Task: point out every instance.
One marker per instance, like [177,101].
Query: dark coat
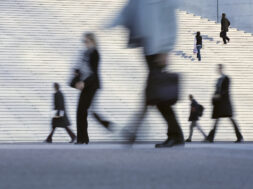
[225,23]
[194,116]
[93,62]
[222,107]
[59,106]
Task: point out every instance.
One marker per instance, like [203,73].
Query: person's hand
[80,85]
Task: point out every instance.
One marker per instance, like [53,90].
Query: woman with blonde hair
[88,86]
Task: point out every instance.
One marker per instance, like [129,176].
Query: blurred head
[198,33]
[56,87]
[90,40]
[223,15]
[220,69]
[190,97]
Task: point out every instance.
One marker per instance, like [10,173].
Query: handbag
[59,122]
[162,87]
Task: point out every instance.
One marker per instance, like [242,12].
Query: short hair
[91,36]
[198,33]
[223,14]
[220,66]
[190,96]
[57,86]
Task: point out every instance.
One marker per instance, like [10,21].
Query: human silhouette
[152,26]
[195,113]
[225,23]
[60,118]
[222,107]
[88,87]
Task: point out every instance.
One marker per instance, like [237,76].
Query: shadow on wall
[239,12]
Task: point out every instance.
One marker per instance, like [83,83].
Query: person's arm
[225,87]
[59,105]
[94,60]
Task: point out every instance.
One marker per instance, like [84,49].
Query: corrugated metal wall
[41,42]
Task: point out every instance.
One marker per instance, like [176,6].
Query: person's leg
[193,123]
[202,132]
[198,54]
[237,131]
[82,114]
[174,130]
[103,122]
[49,138]
[70,133]
[211,135]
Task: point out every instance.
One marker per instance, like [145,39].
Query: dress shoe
[239,140]
[188,140]
[73,140]
[170,143]
[49,141]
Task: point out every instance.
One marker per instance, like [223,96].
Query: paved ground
[111,166]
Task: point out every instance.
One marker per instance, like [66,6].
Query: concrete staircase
[41,42]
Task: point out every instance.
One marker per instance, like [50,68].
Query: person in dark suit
[222,105]
[60,119]
[198,45]
[225,23]
[194,117]
[88,86]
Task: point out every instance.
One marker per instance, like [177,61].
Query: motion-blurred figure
[225,23]
[60,118]
[88,86]
[152,25]
[195,113]
[222,106]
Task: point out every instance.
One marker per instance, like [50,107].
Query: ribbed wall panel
[41,42]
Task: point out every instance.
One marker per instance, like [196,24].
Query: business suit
[61,119]
[225,23]
[222,107]
[92,84]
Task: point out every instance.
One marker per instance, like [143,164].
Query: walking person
[88,87]
[60,118]
[225,23]
[198,39]
[152,26]
[222,107]
[195,113]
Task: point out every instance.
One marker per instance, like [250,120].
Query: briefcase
[162,87]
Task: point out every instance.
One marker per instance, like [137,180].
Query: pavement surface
[115,166]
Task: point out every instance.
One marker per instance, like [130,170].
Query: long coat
[60,106]
[194,116]
[152,24]
[225,23]
[222,107]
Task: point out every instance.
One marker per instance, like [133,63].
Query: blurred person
[88,87]
[198,39]
[222,107]
[195,112]
[225,23]
[152,26]
[60,118]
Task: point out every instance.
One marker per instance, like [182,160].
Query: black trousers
[225,37]
[174,129]
[84,103]
[86,97]
[211,135]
